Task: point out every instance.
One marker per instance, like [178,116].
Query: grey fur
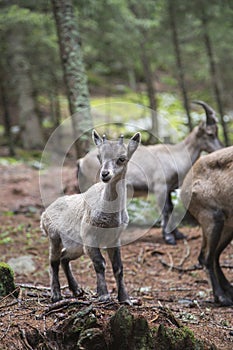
[84,223]
[161,168]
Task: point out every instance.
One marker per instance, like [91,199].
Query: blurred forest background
[121,55]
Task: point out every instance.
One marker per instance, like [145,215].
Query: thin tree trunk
[7,120]
[74,73]
[179,62]
[31,133]
[55,101]
[151,94]
[132,78]
[213,72]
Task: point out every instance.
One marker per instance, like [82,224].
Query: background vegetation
[157,54]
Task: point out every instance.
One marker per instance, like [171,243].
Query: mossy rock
[7,284]
[177,339]
[92,339]
[128,332]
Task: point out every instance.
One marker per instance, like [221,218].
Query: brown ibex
[161,168]
[92,220]
[207,192]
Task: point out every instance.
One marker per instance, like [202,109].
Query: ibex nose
[105,174]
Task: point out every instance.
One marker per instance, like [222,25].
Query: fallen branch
[180,269]
[24,338]
[32,286]
[171,265]
[64,304]
[186,255]
[8,327]
[169,315]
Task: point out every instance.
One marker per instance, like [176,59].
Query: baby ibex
[84,223]
[207,192]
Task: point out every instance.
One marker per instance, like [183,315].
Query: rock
[129,333]
[92,339]
[84,330]
[23,265]
[7,285]
[122,329]
[142,335]
[177,339]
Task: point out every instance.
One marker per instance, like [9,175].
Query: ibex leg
[54,259]
[212,230]
[99,266]
[117,267]
[170,233]
[73,285]
[226,237]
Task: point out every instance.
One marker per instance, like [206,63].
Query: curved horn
[121,139]
[210,113]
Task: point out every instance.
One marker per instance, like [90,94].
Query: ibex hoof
[179,235]
[126,302]
[224,300]
[56,297]
[169,238]
[104,298]
[78,292]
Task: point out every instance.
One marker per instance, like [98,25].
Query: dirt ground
[156,275]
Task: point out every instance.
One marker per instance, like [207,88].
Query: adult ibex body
[92,220]
[207,192]
[161,168]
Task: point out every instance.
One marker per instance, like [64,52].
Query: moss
[142,335]
[177,339]
[128,332]
[92,339]
[122,329]
[7,285]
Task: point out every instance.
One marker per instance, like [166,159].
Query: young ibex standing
[84,223]
[207,192]
[161,168]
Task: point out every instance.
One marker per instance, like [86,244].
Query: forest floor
[158,276]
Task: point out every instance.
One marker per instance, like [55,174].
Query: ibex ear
[96,138]
[133,144]
[201,129]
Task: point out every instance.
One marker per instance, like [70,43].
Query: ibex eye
[121,160]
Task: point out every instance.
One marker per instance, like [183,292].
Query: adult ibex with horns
[161,168]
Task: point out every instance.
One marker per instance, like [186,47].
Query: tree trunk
[74,73]
[31,133]
[179,62]
[55,102]
[7,120]
[154,132]
[213,71]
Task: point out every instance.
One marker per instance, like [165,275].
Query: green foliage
[143,211]
[4,238]
[113,35]
[130,109]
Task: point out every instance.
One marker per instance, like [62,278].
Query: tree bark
[179,63]
[31,133]
[213,71]
[7,120]
[151,92]
[74,73]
